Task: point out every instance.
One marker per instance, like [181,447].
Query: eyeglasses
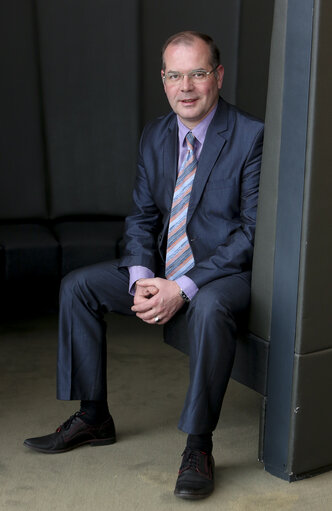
[196,76]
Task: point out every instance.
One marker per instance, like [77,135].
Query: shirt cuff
[187,285]
[138,272]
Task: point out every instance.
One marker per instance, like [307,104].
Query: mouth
[189,101]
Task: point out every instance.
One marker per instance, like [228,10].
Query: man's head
[192,75]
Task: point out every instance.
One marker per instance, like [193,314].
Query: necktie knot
[190,140]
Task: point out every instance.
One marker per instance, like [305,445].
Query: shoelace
[190,460]
[66,425]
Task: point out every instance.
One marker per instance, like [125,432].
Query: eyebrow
[191,71]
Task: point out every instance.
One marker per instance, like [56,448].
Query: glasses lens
[173,77]
[198,76]
[195,76]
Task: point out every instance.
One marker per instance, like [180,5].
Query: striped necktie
[179,257]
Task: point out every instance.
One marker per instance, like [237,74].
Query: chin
[191,115]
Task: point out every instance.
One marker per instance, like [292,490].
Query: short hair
[188,37]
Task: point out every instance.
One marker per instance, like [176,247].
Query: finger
[141,307]
[150,291]
[148,316]
[154,322]
[145,292]
[147,282]
[153,290]
[145,305]
[152,313]
[164,317]
[140,299]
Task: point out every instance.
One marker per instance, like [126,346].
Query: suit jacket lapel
[170,160]
[214,142]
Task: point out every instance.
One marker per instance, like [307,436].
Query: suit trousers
[212,316]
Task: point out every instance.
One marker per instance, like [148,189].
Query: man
[189,243]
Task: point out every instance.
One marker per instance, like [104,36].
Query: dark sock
[200,442]
[95,412]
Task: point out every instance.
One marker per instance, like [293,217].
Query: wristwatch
[184,296]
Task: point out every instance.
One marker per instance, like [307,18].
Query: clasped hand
[156,297]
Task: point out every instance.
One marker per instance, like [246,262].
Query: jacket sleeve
[235,254]
[144,223]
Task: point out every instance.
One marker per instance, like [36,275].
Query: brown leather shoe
[73,433]
[196,475]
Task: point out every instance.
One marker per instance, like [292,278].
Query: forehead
[183,56]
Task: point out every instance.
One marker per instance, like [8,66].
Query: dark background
[79,79]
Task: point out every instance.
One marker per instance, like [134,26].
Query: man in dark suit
[188,243]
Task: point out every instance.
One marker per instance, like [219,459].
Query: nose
[186,84]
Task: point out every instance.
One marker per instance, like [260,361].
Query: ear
[220,75]
[162,73]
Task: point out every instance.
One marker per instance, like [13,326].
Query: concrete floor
[147,383]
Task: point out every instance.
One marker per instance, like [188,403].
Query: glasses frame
[182,75]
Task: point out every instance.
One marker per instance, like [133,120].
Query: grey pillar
[298,418]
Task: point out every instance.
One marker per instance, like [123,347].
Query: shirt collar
[198,131]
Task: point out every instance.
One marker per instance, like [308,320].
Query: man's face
[192,101]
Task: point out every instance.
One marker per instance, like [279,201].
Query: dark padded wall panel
[161,19]
[89,80]
[315,319]
[84,243]
[22,186]
[254,54]
[30,251]
[263,264]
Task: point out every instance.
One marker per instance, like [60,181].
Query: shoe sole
[93,443]
[192,496]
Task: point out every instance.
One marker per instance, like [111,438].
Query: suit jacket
[222,209]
